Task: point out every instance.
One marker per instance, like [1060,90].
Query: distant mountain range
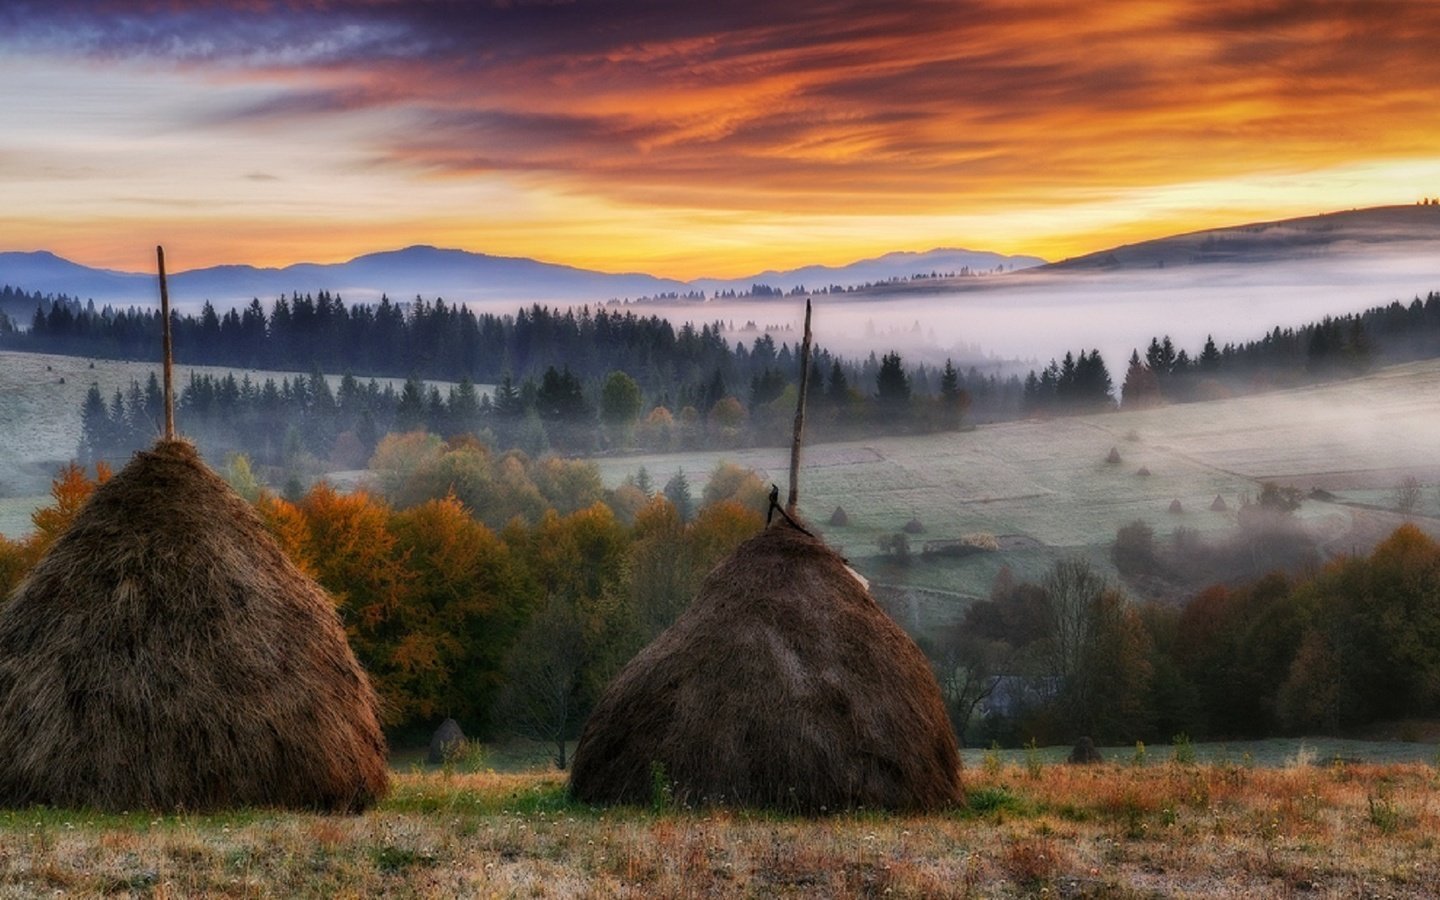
[456,275]
[462,276]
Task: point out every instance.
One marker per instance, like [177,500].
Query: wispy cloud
[835,107]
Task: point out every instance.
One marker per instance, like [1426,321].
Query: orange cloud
[839,111]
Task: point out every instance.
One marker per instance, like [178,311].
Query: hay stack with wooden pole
[783,685]
[164,654]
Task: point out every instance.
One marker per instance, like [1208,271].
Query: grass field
[1029,829]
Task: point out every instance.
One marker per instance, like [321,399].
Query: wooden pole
[168,363]
[799,416]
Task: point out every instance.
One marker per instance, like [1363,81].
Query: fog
[1033,316]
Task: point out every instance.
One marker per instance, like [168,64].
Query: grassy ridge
[1221,830]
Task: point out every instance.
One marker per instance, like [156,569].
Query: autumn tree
[1097,648]
[463,601]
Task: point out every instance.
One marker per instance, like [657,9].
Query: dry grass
[1095,831]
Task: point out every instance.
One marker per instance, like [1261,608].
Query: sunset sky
[705,139]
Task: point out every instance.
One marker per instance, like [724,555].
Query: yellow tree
[464,602]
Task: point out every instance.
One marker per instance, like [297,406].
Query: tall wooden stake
[799,416]
[168,363]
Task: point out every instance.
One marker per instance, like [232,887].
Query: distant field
[40,399]
[1046,488]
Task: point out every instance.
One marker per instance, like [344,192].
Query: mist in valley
[1020,320]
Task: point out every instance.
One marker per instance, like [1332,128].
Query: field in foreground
[1209,830]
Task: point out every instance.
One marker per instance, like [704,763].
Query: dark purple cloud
[904,103]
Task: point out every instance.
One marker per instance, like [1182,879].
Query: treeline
[1334,347]
[495,588]
[1079,384]
[1352,643]
[304,426]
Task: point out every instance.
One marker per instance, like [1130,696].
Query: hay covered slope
[782,685]
[165,654]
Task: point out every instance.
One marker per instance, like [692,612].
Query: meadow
[41,395]
[1045,489]
[1030,828]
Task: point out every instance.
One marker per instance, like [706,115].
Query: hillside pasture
[1045,488]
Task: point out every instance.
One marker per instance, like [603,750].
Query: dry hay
[445,742]
[1143,471]
[1084,753]
[1114,457]
[839,518]
[783,685]
[914,526]
[1176,507]
[164,654]
[1219,505]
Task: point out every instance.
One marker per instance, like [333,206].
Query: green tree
[94,427]
[892,385]
[620,406]
[954,400]
[677,491]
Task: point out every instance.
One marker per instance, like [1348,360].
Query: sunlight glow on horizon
[717,147]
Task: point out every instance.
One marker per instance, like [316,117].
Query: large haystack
[164,654]
[783,685]
[839,518]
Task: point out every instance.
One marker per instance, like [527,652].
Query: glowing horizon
[622,136]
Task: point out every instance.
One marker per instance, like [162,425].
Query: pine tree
[677,491]
[94,427]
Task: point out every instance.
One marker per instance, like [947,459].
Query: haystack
[914,526]
[839,518]
[1176,507]
[1085,753]
[1219,505]
[1143,471]
[165,654]
[1113,458]
[783,685]
[445,742]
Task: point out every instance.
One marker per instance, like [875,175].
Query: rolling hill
[1371,231]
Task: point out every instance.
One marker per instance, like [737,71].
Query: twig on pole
[168,362]
[799,416]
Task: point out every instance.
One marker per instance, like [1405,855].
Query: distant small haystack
[1143,471]
[164,654]
[914,526]
[783,685]
[1114,457]
[1175,506]
[1085,753]
[445,742]
[839,518]
[1219,505]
